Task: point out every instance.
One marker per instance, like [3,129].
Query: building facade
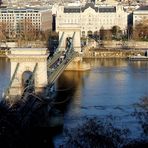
[92,18]
[16,19]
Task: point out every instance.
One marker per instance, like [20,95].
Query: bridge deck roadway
[59,67]
[53,59]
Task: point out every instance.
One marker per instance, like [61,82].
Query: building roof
[107,9]
[72,10]
[143,8]
[22,10]
[104,9]
[89,5]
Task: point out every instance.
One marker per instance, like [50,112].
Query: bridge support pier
[78,65]
[69,31]
[33,60]
[73,31]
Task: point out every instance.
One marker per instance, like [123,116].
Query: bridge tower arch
[27,59]
[69,31]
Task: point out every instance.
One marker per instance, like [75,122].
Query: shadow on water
[67,88]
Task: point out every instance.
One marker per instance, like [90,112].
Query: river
[4,75]
[110,88]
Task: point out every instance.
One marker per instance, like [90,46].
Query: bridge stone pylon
[26,59]
[66,31]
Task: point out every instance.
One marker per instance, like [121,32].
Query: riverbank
[111,53]
[101,53]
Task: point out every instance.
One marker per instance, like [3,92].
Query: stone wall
[112,53]
[78,65]
[119,44]
[130,44]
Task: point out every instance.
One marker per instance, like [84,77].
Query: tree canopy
[141,30]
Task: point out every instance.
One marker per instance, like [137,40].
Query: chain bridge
[44,69]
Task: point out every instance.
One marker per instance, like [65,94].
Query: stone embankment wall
[130,44]
[114,49]
[119,44]
[111,53]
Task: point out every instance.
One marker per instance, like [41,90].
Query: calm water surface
[111,87]
[4,74]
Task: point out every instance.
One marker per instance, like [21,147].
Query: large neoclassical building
[92,18]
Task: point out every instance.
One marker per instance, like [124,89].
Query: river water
[110,88]
[4,75]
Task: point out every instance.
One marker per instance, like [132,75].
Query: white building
[92,18]
[14,18]
[140,14]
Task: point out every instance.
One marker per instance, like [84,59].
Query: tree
[108,35]
[105,34]
[130,32]
[29,31]
[3,27]
[116,31]
[26,32]
[141,30]
[102,33]
[51,39]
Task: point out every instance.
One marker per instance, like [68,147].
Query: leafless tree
[3,26]
[141,30]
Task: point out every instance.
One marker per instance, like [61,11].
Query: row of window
[19,14]
[92,16]
[71,19]
[111,21]
[12,17]
[100,23]
[37,24]
[13,22]
[21,20]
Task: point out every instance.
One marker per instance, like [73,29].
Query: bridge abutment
[78,65]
